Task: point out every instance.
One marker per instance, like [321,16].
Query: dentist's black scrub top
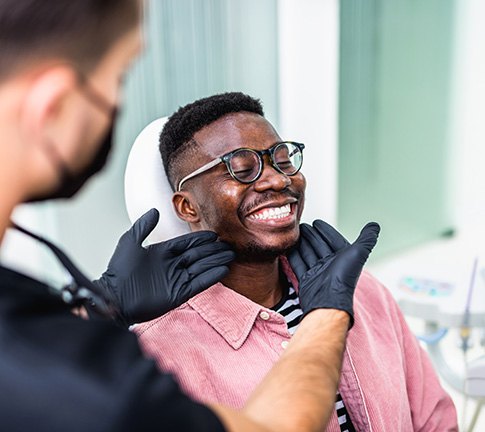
[59,372]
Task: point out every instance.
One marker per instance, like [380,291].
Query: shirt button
[284,344]
[264,315]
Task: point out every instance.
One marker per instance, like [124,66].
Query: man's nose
[271,178]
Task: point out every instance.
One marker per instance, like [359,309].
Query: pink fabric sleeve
[432,409]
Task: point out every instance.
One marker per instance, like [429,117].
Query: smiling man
[254,207]
[233,174]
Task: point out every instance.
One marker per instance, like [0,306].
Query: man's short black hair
[177,135]
[76,31]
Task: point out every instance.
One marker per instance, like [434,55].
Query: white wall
[308,56]
[468,114]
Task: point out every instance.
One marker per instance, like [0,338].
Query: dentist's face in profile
[79,142]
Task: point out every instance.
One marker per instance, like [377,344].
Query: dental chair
[147,186]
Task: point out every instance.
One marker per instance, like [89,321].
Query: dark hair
[177,135]
[79,31]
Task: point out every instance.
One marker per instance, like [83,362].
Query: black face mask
[70,183]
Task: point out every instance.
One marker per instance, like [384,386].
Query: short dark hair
[177,134]
[79,31]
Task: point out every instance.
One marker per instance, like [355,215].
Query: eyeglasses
[246,165]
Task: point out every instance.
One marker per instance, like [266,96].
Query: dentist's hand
[328,266]
[148,282]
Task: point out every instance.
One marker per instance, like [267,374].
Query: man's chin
[254,252]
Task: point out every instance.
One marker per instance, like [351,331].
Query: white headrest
[146,185]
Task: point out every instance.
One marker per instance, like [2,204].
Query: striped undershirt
[289,307]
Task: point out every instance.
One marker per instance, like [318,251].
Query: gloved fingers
[297,263]
[319,245]
[143,226]
[368,236]
[201,265]
[205,280]
[356,255]
[307,252]
[334,239]
[180,244]
[142,312]
[208,250]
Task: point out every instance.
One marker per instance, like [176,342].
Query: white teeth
[272,213]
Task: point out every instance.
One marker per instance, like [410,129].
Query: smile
[271,213]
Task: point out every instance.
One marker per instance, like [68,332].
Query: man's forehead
[236,130]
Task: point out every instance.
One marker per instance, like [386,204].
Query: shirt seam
[360,388]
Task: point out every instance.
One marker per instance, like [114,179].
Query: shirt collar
[231,314]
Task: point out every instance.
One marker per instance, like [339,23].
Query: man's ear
[185,207]
[46,96]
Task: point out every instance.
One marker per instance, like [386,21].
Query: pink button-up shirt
[220,345]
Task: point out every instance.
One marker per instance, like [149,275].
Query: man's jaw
[255,253]
[273,226]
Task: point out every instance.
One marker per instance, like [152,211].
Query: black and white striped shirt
[289,307]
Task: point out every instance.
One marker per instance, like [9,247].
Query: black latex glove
[148,282]
[328,266]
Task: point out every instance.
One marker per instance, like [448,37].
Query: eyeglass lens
[246,164]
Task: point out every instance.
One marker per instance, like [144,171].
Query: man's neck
[260,282]
[10,188]
[7,205]
[12,168]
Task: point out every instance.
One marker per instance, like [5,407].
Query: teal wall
[395,92]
